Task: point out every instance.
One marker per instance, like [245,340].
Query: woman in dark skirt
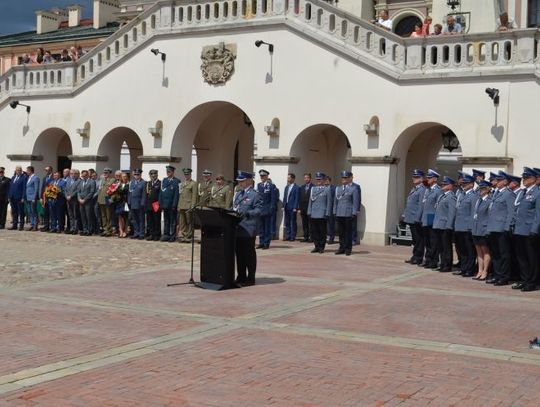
[121,205]
[480,216]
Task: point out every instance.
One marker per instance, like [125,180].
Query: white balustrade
[418,57]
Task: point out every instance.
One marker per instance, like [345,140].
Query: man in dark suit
[305,193]
[153,213]
[31,196]
[290,208]
[71,188]
[16,198]
[4,193]
[248,204]
[85,198]
[137,202]
[45,182]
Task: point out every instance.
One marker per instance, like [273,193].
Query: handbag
[155,206]
[126,207]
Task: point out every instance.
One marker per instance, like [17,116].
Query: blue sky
[19,15]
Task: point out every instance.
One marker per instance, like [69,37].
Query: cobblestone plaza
[90,321]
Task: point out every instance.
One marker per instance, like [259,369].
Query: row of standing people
[494,224]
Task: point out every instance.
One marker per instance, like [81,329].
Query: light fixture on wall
[157,52]
[494,95]
[453,4]
[258,43]
[85,131]
[16,103]
[156,131]
[370,129]
[450,140]
[272,130]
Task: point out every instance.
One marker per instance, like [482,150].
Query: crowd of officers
[494,224]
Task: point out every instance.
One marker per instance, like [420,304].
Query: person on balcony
[417,33]
[504,23]
[384,20]
[437,29]
[451,27]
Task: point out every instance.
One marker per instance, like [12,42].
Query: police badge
[218,62]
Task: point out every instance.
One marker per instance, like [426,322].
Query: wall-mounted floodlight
[258,43]
[16,103]
[157,52]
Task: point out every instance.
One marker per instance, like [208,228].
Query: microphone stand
[191,280]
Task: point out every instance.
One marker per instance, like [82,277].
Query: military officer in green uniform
[105,203]
[187,200]
[221,194]
[205,188]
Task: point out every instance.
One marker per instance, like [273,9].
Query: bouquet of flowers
[52,192]
[113,192]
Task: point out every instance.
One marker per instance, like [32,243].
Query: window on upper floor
[533,18]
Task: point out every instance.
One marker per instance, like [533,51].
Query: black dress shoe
[13,228]
[165,238]
[517,286]
[259,246]
[249,283]
[315,251]
[321,250]
[348,253]
[528,288]
[340,252]
[491,281]
[500,282]
[444,269]
[458,273]
[410,261]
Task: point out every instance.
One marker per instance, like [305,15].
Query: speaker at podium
[218,238]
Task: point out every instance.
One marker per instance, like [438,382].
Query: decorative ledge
[276,159]
[97,158]
[489,161]
[159,159]
[24,157]
[385,160]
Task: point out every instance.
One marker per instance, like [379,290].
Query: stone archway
[221,136]
[419,146]
[321,147]
[121,147]
[52,148]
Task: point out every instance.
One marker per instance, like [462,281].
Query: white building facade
[336,93]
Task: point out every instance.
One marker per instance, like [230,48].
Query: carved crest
[218,62]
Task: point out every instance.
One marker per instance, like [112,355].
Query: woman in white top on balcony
[384,21]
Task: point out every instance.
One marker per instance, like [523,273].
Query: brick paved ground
[90,322]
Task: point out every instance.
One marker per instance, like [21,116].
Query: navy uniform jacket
[501,211]
[354,185]
[320,202]
[17,187]
[464,210]
[86,189]
[137,194]
[275,197]
[32,191]
[346,201]
[170,192]
[527,212]
[268,197]
[248,203]
[333,196]
[430,199]
[290,200]
[413,207]
[4,188]
[445,211]
[480,216]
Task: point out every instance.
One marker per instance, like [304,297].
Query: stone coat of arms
[218,62]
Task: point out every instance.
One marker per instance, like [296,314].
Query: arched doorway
[122,148]
[405,26]
[219,136]
[420,146]
[54,145]
[321,147]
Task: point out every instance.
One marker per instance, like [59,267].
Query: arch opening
[54,145]
[122,148]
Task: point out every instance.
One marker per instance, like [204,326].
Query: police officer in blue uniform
[267,193]
[168,202]
[346,202]
[137,202]
[331,224]
[412,216]
[465,202]
[248,204]
[319,208]
[354,232]
[480,218]
[501,214]
[443,223]
[431,195]
[526,230]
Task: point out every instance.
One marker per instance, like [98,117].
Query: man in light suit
[85,198]
[501,215]
[346,202]
[290,207]
[526,230]
[4,192]
[443,223]
[31,197]
[354,236]
[16,195]
[72,187]
[431,194]
[465,202]
[45,182]
[248,204]
[136,201]
[319,207]
[412,216]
